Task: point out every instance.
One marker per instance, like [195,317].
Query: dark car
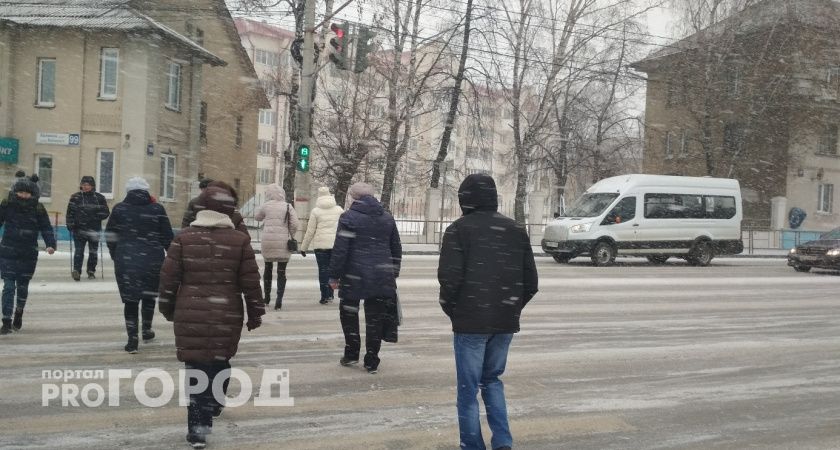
[823,253]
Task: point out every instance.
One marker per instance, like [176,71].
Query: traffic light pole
[303,180]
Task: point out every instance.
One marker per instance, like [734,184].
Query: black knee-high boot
[281,283]
[130,312]
[269,267]
[148,313]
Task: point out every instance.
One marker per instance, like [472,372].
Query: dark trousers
[375,315]
[281,280]
[146,307]
[204,404]
[82,239]
[323,259]
[14,284]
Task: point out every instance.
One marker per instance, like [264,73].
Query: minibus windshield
[591,205]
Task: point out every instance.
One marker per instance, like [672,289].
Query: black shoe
[148,336]
[218,411]
[324,301]
[348,362]
[197,440]
[371,370]
[91,275]
[76,275]
[277,305]
[17,323]
[131,346]
[267,297]
[7,326]
[503,448]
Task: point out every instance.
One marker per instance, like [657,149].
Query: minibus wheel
[562,259]
[603,254]
[800,268]
[701,254]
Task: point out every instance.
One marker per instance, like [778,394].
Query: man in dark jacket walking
[487,275]
[22,219]
[365,261]
[85,213]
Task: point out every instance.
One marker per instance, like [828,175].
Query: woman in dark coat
[138,233]
[22,219]
[365,262]
[208,269]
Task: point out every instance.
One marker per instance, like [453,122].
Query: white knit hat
[323,191]
[137,183]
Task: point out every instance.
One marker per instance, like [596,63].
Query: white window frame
[268,115]
[173,93]
[684,142]
[38,158]
[99,178]
[264,176]
[40,101]
[108,54]
[825,198]
[669,152]
[265,147]
[168,166]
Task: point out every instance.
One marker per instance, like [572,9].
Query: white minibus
[656,216]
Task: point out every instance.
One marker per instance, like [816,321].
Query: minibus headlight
[834,252]
[580,228]
[793,251]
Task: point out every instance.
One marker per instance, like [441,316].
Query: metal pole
[303,180]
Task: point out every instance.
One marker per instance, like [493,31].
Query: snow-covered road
[743,353]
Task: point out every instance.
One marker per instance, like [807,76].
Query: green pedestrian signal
[303,158]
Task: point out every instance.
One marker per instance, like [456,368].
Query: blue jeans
[479,362]
[323,259]
[10,285]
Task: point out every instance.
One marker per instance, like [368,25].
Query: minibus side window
[720,207]
[623,211]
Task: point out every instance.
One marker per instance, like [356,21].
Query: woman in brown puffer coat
[208,268]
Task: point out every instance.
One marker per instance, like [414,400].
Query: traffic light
[338,45]
[363,47]
[303,158]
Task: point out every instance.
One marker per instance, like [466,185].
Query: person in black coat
[85,213]
[22,219]
[487,274]
[365,262]
[138,234]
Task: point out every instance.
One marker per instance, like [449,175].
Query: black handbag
[292,244]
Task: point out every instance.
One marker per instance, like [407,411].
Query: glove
[303,254]
[254,323]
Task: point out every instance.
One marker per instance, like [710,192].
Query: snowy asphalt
[741,354]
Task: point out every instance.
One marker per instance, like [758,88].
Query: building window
[669,150]
[202,123]
[167,177]
[671,93]
[833,77]
[264,176]
[46,82]
[44,169]
[109,68]
[173,86]
[269,87]
[238,132]
[265,147]
[684,143]
[105,172]
[733,80]
[267,58]
[825,198]
[236,183]
[828,141]
[268,117]
[198,37]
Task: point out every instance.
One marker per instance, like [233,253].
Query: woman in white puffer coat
[320,236]
[281,224]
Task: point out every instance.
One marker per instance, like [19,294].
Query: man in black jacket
[85,213]
[192,206]
[487,275]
